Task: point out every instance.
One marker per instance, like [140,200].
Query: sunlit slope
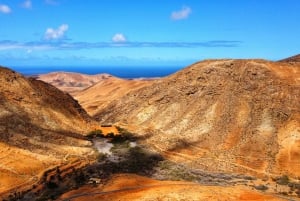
[40,127]
[72,82]
[132,187]
[107,90]
[220,115]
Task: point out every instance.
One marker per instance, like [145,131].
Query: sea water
[128,72]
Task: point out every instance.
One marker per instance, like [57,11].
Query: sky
[145,32]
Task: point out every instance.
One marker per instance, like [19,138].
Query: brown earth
[105,91]
[131,187]
[110,129]
[71,82]
[292,59]
[240,116]
[40,127]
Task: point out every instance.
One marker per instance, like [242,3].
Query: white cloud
[119,38]
[181,14]
[4,9]
[52,34]
[27,4]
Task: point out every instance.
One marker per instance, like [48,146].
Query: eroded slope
[72,82]
[40,126]
[105,91]
[220,115]
[132,187]
[292,59]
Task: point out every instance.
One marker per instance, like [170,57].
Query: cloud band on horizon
[61,45]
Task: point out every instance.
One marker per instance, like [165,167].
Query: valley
[148,100]
[115,176]
[223,128]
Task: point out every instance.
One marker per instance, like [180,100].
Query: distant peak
[295,58]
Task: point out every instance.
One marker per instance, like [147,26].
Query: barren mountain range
[72,82]
[238,117]
[94,92]
[220,115]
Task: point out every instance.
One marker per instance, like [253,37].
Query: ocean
[128,72]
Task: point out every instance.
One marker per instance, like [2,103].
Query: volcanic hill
[292,59]
[240,116]
[40,127]
[72,82]
[105,91]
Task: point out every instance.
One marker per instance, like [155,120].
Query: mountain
[295,58]
[40,127]
[105,91]
[240,116]
[71,82]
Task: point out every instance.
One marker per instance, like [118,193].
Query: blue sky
[145,32]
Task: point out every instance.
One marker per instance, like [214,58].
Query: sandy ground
[104,92]
[125,187]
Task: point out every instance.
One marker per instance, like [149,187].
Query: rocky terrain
[219,129]
[71,82]
[105,91]
[292,59]
[239,116]
[40,128]
[132,187]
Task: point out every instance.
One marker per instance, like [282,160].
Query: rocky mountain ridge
[220,115]
[40,127]
[291,59]
[72,82]
[105,91]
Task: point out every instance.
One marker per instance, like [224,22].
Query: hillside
[132,187]
[72,82]
[40,127]
[292,59]
[105,91]
[240,116]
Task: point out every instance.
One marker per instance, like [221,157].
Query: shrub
[102,157]
[261,187]
[126,135]
[80,178]
[283,180]
[51,185]
[110,135]
[95,133]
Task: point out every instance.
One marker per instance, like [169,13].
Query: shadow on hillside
[129,157]
[137,160]
[17,130]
